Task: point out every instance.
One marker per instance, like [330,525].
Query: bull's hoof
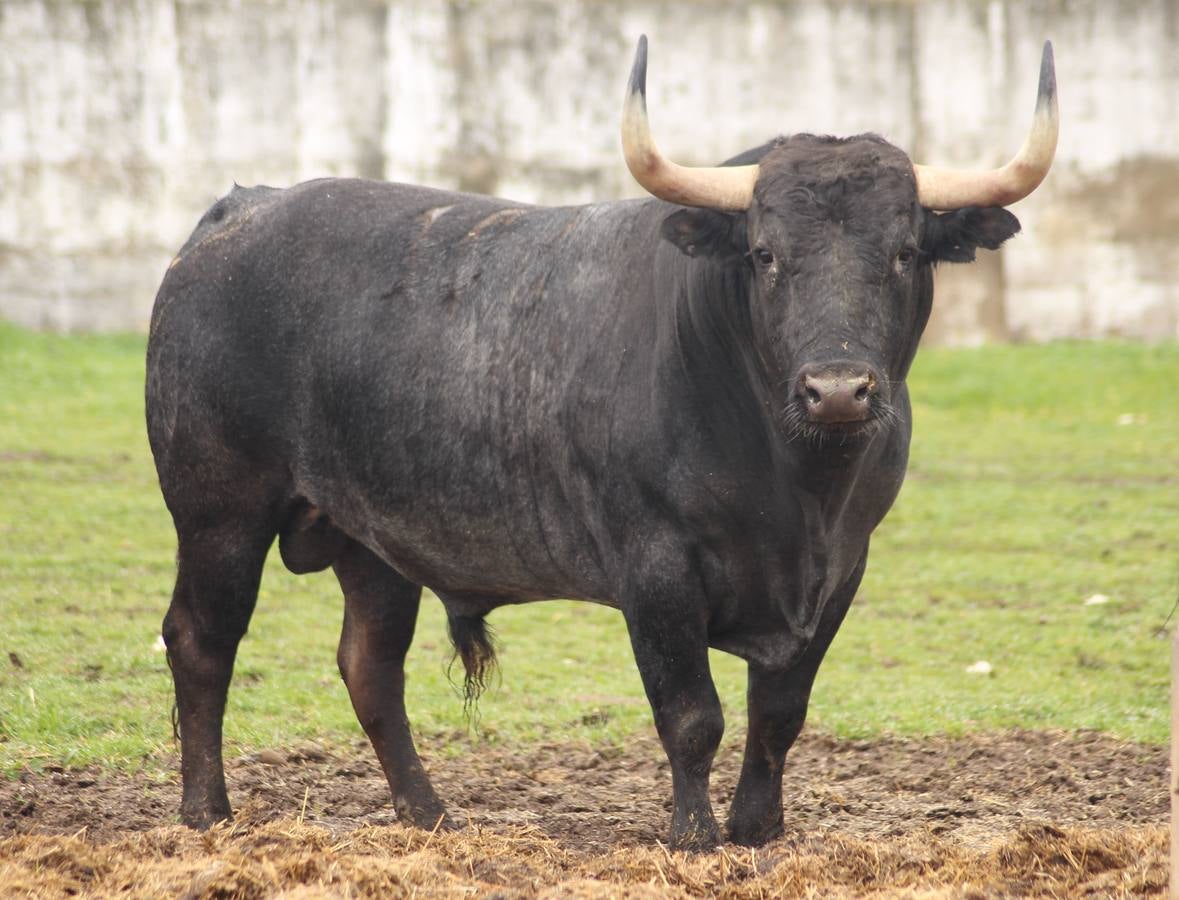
[754,834]
[700,839]
[429,817]
[204,819]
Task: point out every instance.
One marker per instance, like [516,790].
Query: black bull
[692,415]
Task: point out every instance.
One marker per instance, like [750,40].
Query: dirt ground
[1022,813]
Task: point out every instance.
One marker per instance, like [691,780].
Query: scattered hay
[295,860]
[962,818]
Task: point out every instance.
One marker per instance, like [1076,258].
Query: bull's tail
[474,645]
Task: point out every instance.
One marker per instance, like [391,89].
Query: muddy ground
[1018,813]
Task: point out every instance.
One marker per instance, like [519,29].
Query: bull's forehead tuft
[820,171]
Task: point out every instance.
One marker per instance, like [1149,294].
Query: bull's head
[839,237]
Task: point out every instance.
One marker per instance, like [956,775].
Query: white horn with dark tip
[939,188]
[722,187]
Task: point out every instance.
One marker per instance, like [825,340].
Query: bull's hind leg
[216,587]
[380,613]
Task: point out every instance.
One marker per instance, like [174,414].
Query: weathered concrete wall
[121,120]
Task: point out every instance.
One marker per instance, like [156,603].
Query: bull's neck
[704,342]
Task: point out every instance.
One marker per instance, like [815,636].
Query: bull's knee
[693,733]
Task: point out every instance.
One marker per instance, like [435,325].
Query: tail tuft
[474,645]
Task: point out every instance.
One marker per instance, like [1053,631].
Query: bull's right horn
[722,187]
[939,188]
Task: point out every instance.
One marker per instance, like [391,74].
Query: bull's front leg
[669,638]
[777,701]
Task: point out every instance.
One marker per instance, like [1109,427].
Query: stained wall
[121,120]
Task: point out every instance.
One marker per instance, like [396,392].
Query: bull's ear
[955,236]
[706,232]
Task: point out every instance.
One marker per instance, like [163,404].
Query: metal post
[1174,888]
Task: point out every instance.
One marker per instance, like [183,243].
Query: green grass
[1025,497]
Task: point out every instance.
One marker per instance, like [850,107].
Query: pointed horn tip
[1047,90]
[638,70]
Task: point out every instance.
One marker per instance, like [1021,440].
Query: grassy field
[1040,478]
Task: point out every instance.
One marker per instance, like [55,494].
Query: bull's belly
[478,571]
[468,558]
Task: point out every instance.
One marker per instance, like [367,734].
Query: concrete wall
[121,120]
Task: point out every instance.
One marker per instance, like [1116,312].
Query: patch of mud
[1083,810]
[589,799]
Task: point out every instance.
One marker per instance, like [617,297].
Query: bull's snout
[837,394]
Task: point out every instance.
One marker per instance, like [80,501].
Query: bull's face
[839,238]
[840,290]
[839,256]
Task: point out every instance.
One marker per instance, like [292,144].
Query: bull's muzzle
[837,394]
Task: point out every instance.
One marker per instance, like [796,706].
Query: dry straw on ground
[1017,814]
[293,859]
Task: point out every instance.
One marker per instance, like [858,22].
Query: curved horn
[724,187]
[955,188]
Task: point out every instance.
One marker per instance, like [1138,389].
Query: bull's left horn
[723,187]
[955,188]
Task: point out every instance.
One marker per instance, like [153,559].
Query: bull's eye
[763,256]
[906,258]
